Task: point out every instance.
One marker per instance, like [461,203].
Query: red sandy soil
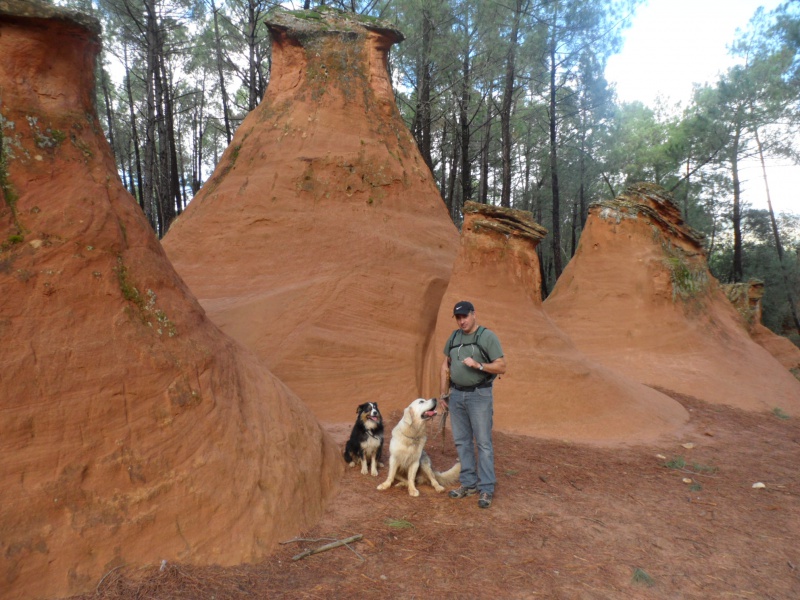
[568,521]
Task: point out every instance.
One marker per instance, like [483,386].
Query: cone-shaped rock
[550,389]
[131,429]
[746,299]
[321,241]
[638,297]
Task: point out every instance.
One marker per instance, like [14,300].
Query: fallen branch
[99,583]
[327,547]
[701,502]
[295,540]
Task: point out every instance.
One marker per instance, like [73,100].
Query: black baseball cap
[463,308]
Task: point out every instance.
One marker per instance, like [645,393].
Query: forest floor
[674,519]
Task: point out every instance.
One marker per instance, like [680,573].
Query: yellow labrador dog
[408,462]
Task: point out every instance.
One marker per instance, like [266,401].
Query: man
[473,358]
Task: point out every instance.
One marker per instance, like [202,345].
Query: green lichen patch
[9,196]
[149,313]
[335,61]
[82,146]
[45,137]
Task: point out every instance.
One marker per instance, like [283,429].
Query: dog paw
[413,492]
[438,488]
[383,486]
[374,473]
[364,471]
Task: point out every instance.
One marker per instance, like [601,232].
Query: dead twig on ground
[327,547]
[295,540]
[701,502]
[99,583]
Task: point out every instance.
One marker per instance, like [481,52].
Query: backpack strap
[484,354]
[489,376]
[451,340]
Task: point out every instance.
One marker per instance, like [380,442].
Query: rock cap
[654,202]
[327,20]
[508,221]
[36,9]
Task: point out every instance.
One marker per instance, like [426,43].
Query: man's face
[467,323]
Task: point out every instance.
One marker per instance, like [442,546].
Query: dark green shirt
[462,375]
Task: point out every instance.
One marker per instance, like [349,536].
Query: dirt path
[568,521]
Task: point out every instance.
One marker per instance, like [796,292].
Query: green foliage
[675,463]
[8,192]
[778,412]
[680,464]
[640,576]
[689,279]
[399,524]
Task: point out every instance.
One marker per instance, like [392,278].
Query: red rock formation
[131,429]
[746,298]
[638,297]
[321,241]
[550,389]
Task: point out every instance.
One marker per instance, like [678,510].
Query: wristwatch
[480,366]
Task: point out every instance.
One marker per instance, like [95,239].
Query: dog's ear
[407,416]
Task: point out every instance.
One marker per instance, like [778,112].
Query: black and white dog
[366,439]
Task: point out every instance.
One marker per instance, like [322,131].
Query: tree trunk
[197,164]
[527,195]
[556,227]
[422,118]
[776,234]
[452,204]
[507,108]
[686,189]
[574,228]
[171,199]
[483,185]
[542,273]
[137,193]
[148,192]
[132,186]
[253,66]
[163,193]
[218,43]
[463,116]
[582,189]
[109,115]
[737,209]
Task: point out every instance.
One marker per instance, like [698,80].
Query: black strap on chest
[451,343]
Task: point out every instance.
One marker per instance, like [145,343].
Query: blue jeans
[471,416]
